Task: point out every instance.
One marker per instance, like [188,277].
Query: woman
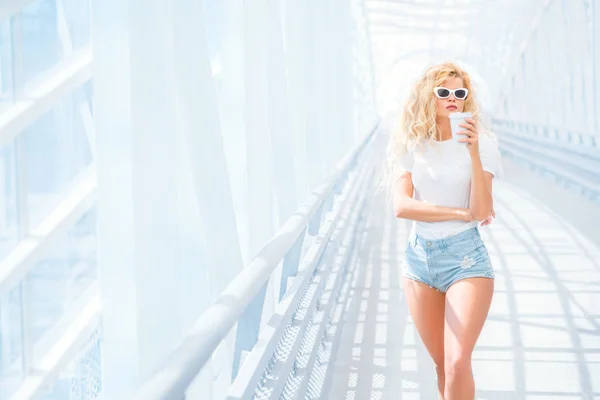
[445,186]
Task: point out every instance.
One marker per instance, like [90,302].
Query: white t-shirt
[441,175]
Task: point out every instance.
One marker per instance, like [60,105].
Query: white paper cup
[456,119]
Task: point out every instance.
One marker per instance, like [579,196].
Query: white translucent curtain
[163,185]
[214,120]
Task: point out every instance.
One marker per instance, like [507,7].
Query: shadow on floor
[542,337]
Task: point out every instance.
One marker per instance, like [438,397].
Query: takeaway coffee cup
[456,119]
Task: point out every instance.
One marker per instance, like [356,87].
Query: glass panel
[40,46]
[6,95]
[9,220]
[57,282]
[11,346]
[57,150]
[77,15]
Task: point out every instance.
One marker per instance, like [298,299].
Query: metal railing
[572,158]
[310,282]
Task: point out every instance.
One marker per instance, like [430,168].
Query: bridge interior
[189,204]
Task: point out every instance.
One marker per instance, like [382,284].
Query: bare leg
[467,305]
[426,306]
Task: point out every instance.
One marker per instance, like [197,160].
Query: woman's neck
[445,132]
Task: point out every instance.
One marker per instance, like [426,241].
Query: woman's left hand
[472,135]
[489,219]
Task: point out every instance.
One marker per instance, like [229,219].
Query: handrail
[577,148]
[298,307]
[502,121]
[183,365]
[553,166]
[573,173]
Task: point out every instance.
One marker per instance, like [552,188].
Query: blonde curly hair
[418,120]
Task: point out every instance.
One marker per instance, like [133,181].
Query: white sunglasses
[443,93]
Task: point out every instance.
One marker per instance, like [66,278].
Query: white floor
[542,338]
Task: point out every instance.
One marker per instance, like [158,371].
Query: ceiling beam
[377,27]
[423,12]
[421,4]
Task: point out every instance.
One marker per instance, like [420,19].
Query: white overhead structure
[536,65]
[408,35]
[213,151]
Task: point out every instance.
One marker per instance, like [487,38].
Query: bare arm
[481,202]
[406,207]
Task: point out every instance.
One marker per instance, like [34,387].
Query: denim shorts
[441,262]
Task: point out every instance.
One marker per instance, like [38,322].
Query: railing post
[315,223]
[248,328]
[290,264]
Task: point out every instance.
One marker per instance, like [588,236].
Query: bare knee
[457,367]
[439,368]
